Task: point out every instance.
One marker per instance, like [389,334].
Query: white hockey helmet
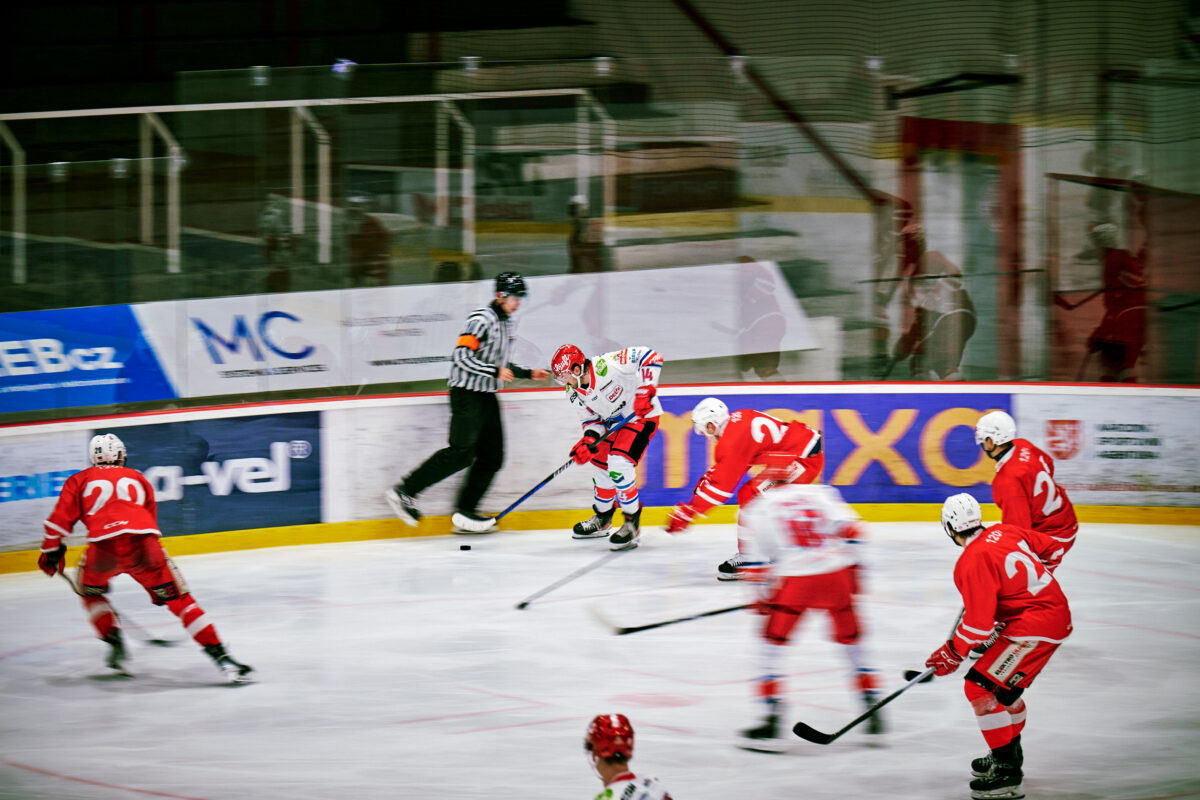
[710,409]
[961,515]
[107,448]
[997,426]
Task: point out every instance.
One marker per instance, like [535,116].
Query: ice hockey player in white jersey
[605,390]
[808,538]
[609,745]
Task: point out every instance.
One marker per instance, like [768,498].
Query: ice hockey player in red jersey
[1003,583]
[603,391]
[744,439]
[117,505]
[806,537]
[1024,487]
[609,745]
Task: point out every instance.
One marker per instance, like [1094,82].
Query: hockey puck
[464,547]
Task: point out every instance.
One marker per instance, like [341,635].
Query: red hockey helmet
[566,359]
[610,736]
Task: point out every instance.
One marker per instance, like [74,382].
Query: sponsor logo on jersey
[615,393]
[1064,437]
[602,367]
[254,475]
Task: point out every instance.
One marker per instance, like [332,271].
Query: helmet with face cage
[566,359]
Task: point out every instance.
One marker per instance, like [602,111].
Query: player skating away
[605,390]
[744,439]
[117,505]
[1002,583]
[1024,487]
[805,536]
[609,745]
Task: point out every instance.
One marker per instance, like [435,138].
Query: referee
[478,366]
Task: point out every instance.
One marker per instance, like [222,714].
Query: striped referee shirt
[482,349]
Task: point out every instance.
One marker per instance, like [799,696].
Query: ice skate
[403,505]
[116,654]
[983,765]
[764,738]
[598,526]
[470,522]
[234,671]
[874,722]
[627,537]
[1002,783]
[735,568]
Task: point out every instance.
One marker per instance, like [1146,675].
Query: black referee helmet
[511,283]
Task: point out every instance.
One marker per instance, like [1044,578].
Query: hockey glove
[944,660]
[642,402]
[585,448]
[680,517]
[53,561]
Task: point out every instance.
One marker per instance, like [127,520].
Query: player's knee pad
[982,701]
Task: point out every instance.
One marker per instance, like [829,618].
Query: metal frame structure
[151,125]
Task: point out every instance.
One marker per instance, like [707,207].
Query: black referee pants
[476,440]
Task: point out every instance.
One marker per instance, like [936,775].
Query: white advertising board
[1107,448]
[395,334]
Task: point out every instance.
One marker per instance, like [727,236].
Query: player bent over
[744,439]
[117,505]
[805,537]
[1002,581]
[603,391]
[609,744]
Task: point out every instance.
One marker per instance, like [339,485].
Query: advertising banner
[231,474]
[76,357]
[1142,445]
[395,334]
[880,447]
[209,474]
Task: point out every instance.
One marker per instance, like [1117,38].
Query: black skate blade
[909,674]
[812,734]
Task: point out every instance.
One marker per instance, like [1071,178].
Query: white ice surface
[401,669]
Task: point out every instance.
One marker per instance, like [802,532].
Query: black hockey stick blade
[909,674]
[815,736]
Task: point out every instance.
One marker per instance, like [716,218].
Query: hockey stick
[142,633]
[600,562]
[817,737]
[619,631]
[487,524]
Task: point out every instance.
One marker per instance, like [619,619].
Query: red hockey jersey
[1027,495]
[748,438]
[1002,579]
[110,500]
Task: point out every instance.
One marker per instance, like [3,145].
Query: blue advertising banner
[888,447]
[76,357]
[231,474]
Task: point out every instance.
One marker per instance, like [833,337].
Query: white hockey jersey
[798,529]
[613,381]
[628,786]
